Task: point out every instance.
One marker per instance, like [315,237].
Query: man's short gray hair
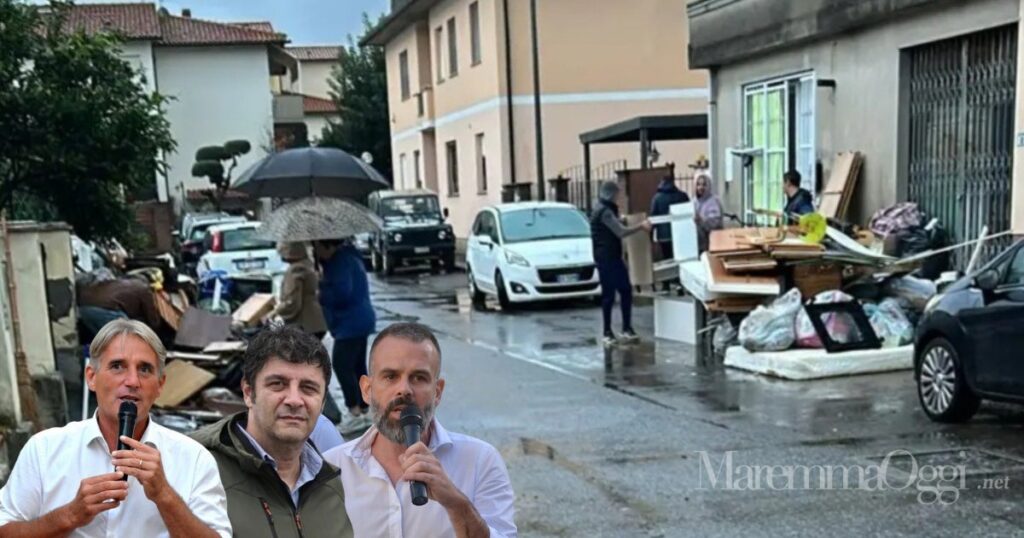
[124,327]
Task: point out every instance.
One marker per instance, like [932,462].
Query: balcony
[425,108]
[288,109]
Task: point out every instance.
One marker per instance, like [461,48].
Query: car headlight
[442,235]
[516,259]
[932,303]
[397,238]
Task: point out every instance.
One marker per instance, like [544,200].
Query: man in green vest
[277,482]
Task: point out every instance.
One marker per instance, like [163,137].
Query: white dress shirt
[53,463]
[379,509]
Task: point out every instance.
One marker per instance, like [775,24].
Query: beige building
[462,96]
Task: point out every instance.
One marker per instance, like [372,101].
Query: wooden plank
[638,254]
[225,347]
[734,240]
[851,185]
[184,380]
[199,328]
[200,357]
[721,281]
[254,308]
[831,197]
[750,265]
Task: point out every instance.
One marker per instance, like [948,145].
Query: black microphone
[411,422]
[126,425]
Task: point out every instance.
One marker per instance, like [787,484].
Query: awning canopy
[657,128]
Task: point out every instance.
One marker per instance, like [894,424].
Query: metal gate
[961,133]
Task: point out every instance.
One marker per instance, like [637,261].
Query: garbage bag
[725,336]
[913,293]
[890,323]
[840,326]
[894,218]
[771,328]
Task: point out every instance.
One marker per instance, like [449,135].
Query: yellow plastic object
[813,226]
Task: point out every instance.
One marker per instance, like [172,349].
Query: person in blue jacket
[345,300]
[799,201]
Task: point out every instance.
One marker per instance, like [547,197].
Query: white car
[530,251]
[234,248]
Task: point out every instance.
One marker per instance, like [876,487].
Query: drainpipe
[508,97]
[536,102]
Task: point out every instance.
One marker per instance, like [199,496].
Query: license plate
[248,265]
[568,279]
[421,250]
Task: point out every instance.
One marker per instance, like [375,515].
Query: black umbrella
[301,172]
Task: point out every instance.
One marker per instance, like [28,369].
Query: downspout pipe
[508,96]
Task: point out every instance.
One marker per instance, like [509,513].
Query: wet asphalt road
[632,441]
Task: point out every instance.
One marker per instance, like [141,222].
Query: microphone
[126,425]
[411,422]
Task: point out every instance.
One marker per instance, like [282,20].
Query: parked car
[193,231]
[530,251]
[234,249]
[362,244]
[414,231]
[969,339]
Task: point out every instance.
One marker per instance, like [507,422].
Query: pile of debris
[204,368]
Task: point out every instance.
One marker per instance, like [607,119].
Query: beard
[390,428]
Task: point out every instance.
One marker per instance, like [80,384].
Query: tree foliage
[359,88]
[79,134]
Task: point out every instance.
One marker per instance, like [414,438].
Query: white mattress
[801,364]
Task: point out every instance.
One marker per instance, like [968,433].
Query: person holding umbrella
[298,304]
[345,299]
[344,291]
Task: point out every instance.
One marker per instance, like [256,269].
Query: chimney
[186,12]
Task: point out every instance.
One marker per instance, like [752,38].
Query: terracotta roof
[309,54]
[318,105]
[143,21]
[259,26]
[133,21]
[190,31]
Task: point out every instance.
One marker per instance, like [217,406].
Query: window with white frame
[778,123]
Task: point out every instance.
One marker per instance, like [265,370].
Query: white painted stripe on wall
[556,99]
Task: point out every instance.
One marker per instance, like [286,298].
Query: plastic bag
[914,292]
[771,328]
[725,336]
[890,323]
[840,327]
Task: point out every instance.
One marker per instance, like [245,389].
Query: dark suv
[414,231]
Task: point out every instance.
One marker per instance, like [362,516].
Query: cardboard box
[254,309]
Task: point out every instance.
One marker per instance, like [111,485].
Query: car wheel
[476,296]
[941,385]
[449,263]
[387,264]
[435,267]
[503,300]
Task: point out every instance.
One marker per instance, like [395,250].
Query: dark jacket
[345,296]
[801,203]
[667,196]
[253,489]
[607,231]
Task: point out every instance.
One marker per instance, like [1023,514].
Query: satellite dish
[367,157]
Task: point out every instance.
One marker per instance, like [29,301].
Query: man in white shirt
[467,483]
[70,481]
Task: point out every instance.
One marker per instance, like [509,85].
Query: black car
[969,341]
[414,231]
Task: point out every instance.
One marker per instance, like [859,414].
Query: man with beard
[467,483]
[276,479]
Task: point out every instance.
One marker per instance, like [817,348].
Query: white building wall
[315,125]
[219,94]
[313,78]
